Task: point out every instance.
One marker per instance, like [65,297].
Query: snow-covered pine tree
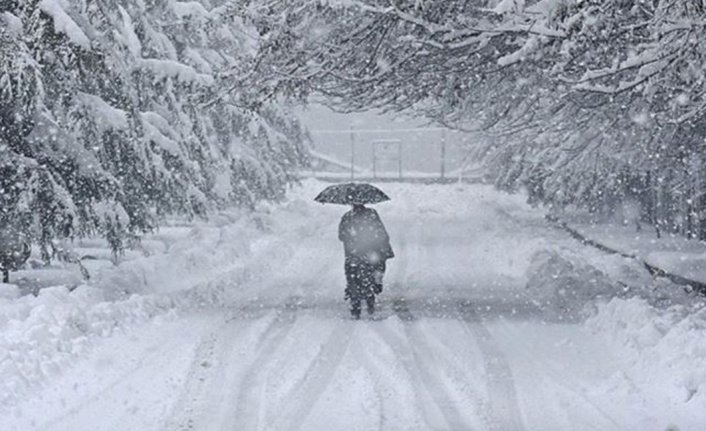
[114,113]
[48,166]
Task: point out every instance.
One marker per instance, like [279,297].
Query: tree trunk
[689,216]
[700,206]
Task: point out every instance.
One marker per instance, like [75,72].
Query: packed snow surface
[491,319]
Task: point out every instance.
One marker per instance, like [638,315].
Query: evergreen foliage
[115,113]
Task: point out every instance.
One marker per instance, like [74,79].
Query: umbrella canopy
[351,193]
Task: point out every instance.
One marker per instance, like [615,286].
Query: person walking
[366,243]
[367,248]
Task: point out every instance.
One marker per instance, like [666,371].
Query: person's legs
[378,273]
[367,285]
[353,281]
[363,281]
[370,302]
[355,307]
[349,268]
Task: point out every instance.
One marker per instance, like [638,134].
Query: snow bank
[33,279]
[42,335]
[564,283]
[672,253]
[683,263]
[205,264]
[8,292]
[204,252]
[665,354]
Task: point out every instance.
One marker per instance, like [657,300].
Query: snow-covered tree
[114,113]
[587,102]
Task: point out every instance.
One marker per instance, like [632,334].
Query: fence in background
[411,155]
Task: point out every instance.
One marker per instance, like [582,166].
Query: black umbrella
[351,193]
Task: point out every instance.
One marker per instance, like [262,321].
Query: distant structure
[391,155]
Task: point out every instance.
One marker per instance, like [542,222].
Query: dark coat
[364,236]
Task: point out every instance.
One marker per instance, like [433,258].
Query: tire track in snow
[206,373]
[397,277]
[248,407]
[200,405]
[365,359]
[202,375]
[506,414]
[427,387]
[423,397]
[425,365]
[316,379]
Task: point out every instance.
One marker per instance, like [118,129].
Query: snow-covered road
[460,342]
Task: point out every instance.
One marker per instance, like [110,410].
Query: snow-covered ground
[668,251]
[491,319]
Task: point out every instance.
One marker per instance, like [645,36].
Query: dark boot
[370,301]
[355,307]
